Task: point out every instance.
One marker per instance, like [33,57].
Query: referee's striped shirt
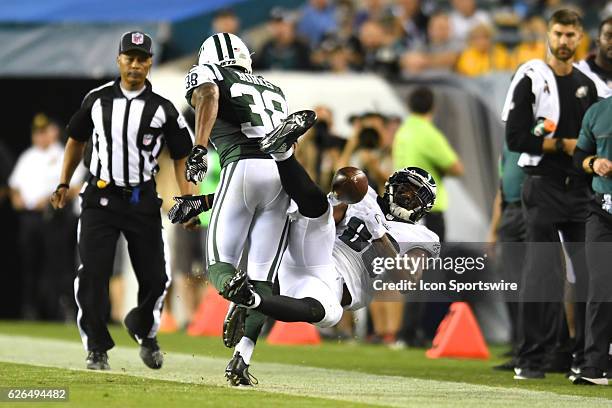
[128,132]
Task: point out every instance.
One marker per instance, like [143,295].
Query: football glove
[196,165]
[187,207]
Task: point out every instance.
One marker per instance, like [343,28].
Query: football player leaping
[234,109]
[326,267]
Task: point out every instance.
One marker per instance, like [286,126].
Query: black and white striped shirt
[128,132]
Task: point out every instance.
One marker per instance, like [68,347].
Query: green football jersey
[249,108]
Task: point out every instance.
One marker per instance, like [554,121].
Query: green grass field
[333,374]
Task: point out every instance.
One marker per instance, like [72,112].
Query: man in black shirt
[129,125]
[555,197]
[599,65]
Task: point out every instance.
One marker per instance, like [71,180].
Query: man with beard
[555,195]
[598,67]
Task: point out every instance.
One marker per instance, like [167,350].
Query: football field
[333,374]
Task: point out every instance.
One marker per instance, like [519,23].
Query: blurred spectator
[6,166]
[465,17]
[482,55]
[378,51]
[283,51]
[372,10]
[320,149]
[533,41]
[419,143]
[225,21]
[47,240]
[412,20]
[318,18]
[364,148]
[439,52]
[335,56]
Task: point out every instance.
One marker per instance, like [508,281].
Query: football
[350,185]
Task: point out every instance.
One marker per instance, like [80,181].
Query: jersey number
[191,79]
[263,103]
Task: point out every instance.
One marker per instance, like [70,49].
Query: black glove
[196,165]
[187,207]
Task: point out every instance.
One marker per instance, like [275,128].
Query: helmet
[411,193]
[225,49]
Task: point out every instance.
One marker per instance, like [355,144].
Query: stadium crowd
[390,38]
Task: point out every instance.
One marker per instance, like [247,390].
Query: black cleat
[590,376]
[239,290]
[150,353]
[287,133]
[97,360]
[528,374]
[233,325]
[237,373]
[507,366]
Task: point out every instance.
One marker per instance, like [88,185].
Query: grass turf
[354,357]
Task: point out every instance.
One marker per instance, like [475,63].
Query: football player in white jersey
[327,264]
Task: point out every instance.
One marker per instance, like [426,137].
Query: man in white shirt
[47,241]
[464,17]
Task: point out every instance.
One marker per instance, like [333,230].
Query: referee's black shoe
[287,133]
[237,372]
[528,374]
[590,376]
[150,353]
[97,360]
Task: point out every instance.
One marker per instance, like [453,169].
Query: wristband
[592,163]
[559,145]
[61,185]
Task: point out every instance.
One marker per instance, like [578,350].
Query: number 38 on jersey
[249,102]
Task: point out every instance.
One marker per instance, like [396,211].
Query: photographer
[321,148]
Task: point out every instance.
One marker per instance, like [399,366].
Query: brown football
[350,185]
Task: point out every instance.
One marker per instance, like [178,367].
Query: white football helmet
[225,49]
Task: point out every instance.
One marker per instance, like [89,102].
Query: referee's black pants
[599,306]
[106,213]
[551,206]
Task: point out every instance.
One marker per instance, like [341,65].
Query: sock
[245,347]
[255,319]
[288,309]
[220,273]
[298,185]
[282,156]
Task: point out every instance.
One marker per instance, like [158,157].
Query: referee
[128,125]
[593,155]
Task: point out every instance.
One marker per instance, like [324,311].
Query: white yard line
[289,379]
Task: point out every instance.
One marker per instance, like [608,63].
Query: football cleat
[237,373]
[97,360]
[287,133]
[239,290]
[233,325]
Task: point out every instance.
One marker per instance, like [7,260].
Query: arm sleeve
[586,139]
[176,132]
[81,125]
[520,121]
